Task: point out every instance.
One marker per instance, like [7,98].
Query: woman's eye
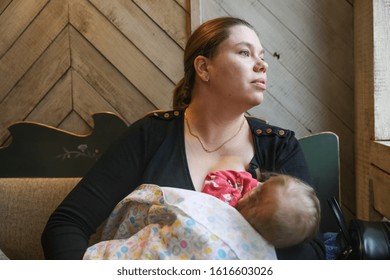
[244,52]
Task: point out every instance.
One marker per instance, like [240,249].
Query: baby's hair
[297,213]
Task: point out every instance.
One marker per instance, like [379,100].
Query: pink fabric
[228,185]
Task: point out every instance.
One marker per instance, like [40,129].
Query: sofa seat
[25,207]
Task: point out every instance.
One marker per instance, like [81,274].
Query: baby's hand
[162,215]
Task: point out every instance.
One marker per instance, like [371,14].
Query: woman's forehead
[241,34]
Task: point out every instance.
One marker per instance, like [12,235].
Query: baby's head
[284,210]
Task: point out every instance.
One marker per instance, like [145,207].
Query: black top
[152,150]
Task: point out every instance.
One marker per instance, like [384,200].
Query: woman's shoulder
[165,114]
[154,127]
[156,119]
[261,127]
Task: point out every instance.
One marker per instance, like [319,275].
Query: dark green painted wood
[322,155]
[39,150]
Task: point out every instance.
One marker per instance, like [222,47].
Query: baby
[283,209]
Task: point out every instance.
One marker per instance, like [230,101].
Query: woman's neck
[213,125]
[216,141]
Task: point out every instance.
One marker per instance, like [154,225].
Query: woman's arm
[115,174]
[290,159]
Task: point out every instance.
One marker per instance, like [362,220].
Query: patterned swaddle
[168,223]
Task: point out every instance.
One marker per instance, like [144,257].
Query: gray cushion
[25,206]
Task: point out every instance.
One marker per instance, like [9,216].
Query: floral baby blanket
[156,222]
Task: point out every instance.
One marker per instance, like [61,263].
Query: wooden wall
[309,48]
[63,60]
[372,55]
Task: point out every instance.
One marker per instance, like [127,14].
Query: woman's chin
[258,99]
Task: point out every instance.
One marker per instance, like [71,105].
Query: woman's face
[238,70]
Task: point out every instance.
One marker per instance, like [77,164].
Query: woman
[225,75]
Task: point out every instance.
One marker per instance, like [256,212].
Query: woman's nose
[261,66]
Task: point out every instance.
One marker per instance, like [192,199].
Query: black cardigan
[152,150]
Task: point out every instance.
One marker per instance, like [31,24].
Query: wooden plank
[33,42]
[3,5]
[86,101]
[213,9]
[169,15]
[196,14]
[381,191]
[336,14]
[107,80]
[372,118]
[364,102]
[36,82]
[122,54]
[184,4]
[147,37]
[322,83]
[15,19]
[317,35]
[382,70]
[7,141]
[75,124]
[188,20]
[380,155]
[57,103]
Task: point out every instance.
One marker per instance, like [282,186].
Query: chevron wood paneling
[4,4]
[63,60]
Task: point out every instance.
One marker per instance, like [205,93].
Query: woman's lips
[260,84]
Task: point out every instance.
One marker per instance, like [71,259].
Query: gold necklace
[200,141]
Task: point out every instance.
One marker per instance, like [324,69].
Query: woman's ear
[200,65]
